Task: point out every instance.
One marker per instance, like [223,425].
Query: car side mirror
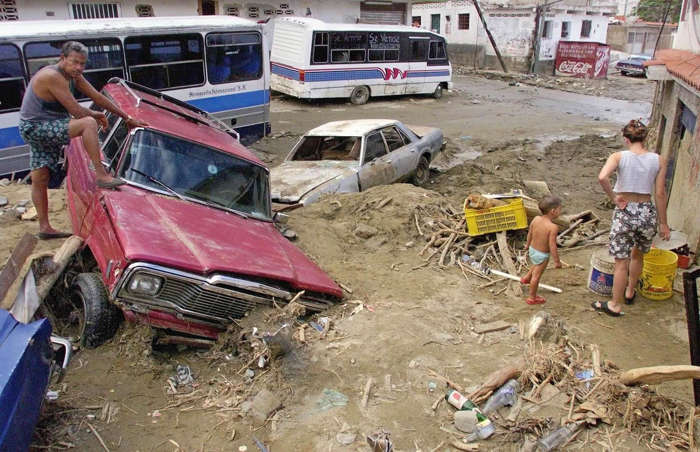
[62,351]
[280,218]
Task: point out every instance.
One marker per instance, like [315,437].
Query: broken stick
[368,388]
[497,379]
[508,259]
[659,374]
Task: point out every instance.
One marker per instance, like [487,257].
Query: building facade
[513,27]
[348,11]
[641,38]
[675,121]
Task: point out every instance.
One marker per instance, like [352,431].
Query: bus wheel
[437,94]
[360,95]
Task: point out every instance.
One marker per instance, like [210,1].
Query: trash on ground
[331,398]
[380,442]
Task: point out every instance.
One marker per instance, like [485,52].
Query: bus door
[418,47]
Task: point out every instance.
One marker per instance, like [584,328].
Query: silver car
[351,156]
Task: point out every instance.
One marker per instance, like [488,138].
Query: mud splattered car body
[352,156]
[189,243]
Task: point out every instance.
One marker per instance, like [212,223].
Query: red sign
[582,59]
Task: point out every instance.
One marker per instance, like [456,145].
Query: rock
[4,182]
[23,203]
[346,438]
[263,404]
[29,215]
[364,231]
[465,420]
[3,201]
[20,210]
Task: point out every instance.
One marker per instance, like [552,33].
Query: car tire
[99,317]
[359,95]
[623,72]
[422,173]
[437,94]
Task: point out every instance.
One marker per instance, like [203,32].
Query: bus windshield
[193,171]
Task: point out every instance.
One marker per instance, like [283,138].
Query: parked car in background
[30,357]
[634,65]
[352,156]
[189,243]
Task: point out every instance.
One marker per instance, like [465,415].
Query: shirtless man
[50,116]
[541,243]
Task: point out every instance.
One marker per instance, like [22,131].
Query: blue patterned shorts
[46,140]
[633,226]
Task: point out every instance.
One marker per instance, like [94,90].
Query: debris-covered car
[634,65]
[189,243]
[352,156]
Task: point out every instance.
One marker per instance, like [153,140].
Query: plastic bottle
[484,428]
[505,396]
[558,437]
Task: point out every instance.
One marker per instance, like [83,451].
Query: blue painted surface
[9,137]
[232,101]
[285,72]
[24,377]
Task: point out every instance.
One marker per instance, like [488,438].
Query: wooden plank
[15,262]
[659,374]
[508,260]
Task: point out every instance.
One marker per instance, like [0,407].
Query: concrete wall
[684,196]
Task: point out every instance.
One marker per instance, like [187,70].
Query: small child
[541,242]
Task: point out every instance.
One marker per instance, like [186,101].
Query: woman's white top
[636,173]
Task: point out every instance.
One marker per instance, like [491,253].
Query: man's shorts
[633,226]
[46,140]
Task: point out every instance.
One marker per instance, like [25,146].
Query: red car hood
[200,239]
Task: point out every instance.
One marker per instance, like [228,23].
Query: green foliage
[653,10]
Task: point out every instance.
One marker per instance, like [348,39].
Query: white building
[512,25]
[348,11]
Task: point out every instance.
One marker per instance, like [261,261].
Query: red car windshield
[157,161]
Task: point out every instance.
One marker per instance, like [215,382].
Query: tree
[653,10]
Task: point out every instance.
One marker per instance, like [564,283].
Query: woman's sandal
[630,300]
[604,308]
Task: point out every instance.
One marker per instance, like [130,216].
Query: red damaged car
[189,243]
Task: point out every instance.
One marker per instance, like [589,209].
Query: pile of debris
[557,374]
[21,209]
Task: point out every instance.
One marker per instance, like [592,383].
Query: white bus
[217,63]
[312,59]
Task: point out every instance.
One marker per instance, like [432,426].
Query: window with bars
[586,29]
[463,22]
[8,10]
[94,10]
[565,26]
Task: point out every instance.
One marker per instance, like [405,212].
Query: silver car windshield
[155,160]
[328,148]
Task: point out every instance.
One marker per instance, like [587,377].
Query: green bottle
[460,402]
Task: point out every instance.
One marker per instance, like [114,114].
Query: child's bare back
[543,233]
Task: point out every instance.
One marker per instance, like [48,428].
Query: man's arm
[59,89]
[86,88]
[553,251]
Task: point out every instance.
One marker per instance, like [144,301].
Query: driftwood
[508,259]
[14,264]
[658,374]
[496,380]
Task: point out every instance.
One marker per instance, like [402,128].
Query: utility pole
[488,33]
[539,12]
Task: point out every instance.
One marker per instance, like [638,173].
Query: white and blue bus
[217,63]
[312,59]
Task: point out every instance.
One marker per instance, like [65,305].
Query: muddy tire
[99,318]
[422,174]
[437,94]
[360,95]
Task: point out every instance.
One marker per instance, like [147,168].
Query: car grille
[196,299]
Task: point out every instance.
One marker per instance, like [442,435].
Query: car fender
[348,184]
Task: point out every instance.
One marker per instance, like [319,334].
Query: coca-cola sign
[582,59]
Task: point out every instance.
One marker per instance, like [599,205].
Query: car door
[376,168]
[402,154]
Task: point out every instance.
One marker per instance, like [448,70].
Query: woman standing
[639,174]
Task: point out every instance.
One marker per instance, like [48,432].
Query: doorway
[207,7]
[435,23]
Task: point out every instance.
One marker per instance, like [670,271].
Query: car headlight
[145,284]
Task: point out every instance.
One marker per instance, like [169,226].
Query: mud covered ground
[403,319]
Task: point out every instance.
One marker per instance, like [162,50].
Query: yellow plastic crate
[495,219]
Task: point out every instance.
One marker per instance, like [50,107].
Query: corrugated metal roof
[680,63]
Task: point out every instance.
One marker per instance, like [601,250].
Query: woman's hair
[635,131]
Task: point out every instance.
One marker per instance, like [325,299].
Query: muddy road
[404,317]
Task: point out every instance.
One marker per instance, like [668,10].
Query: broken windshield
[328,148]
[197,172]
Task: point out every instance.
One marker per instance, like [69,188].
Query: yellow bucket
[658,274]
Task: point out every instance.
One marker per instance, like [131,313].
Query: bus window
[166,61]
[233,57]
[438,53]
[348,47]
[11,78]
[104,61]
[320,48]
[384,46]
[419,49]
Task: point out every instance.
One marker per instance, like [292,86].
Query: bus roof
[319,25]
[61,29]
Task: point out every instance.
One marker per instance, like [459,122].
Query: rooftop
[681,63]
